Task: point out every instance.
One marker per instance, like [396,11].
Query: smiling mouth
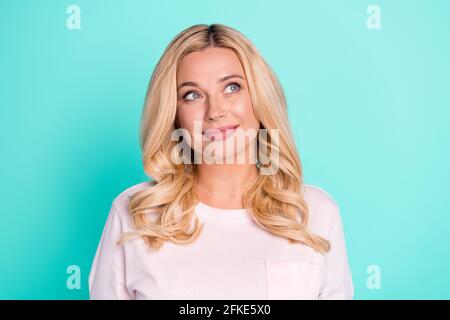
[219,133]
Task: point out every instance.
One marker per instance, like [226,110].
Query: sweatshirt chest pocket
[292,280]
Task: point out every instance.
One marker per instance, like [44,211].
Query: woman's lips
[219,133]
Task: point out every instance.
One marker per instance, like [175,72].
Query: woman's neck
[222,185]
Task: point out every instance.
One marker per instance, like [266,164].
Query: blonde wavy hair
[274,201]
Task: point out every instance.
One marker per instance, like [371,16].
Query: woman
[211,225]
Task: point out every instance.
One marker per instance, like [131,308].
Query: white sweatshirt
[233,258]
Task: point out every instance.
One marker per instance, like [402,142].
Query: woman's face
[212,92]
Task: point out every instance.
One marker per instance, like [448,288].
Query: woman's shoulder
[121,201]
[318,195]
[323,208]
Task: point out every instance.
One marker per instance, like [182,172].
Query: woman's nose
[215,109]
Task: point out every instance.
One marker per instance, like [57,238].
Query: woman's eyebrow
[195,84]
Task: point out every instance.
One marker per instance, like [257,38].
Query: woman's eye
[234,85]
[190,93]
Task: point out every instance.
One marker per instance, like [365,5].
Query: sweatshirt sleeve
[338,283]
[107,276]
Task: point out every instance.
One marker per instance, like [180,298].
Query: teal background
[369,108]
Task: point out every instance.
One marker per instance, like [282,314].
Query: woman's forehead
[209,64]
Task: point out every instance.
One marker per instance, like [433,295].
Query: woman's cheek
[244,111]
